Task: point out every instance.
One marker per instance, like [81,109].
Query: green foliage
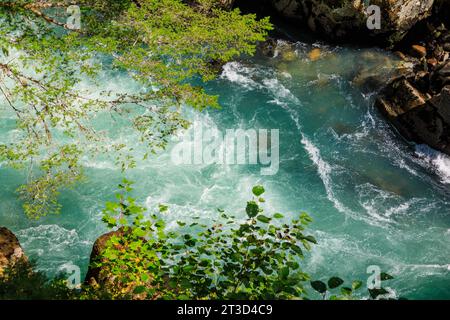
[256,258]
[22,283]
[162,46]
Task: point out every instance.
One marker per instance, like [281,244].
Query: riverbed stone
[11,251]
[418,51]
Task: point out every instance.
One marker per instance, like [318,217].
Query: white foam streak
[324,169]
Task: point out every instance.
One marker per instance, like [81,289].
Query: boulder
[418,117]
[441,75]
[425,125]
[10,250]
[226,4]
[418,51]
[97,275]
[441,103]
[105,282]
[268,48]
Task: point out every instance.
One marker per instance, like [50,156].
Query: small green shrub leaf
[252,209]
[335,282]
[258,190]
[263,219]
[319,286]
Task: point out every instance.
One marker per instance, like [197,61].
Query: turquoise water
[375,200]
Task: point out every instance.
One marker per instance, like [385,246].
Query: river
[375,199]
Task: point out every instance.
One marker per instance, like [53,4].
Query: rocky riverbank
[417,99]
[419,104]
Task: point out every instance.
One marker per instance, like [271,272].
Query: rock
[425,125]
[432,62]
[418,51]
[419,117]
[439,53]
[344,19]
[405,97]
[226,4]
[10,250]
[314,54]
[100,277]
[401,55]
[441,103]
[368,81]
[96,275]
[268,47]
[288,56]
[440,77]
[286,50]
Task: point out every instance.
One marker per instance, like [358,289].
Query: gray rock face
[418,104]
[227,4]
[10,250]
[340,19]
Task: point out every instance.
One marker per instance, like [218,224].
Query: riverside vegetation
[257,258]
[161,44]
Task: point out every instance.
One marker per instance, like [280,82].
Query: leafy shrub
[256,258]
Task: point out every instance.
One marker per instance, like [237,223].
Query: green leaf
[188,268]
[163,208]
[346,291]
[319,286]
[258,190]
[310,239]
[356,285]
[138,232]
[252,209]
[284,272]
[335,282]
[139,290]
[263,219]
[278,216]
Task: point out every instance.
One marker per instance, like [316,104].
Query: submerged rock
[314,54]
[11,252]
